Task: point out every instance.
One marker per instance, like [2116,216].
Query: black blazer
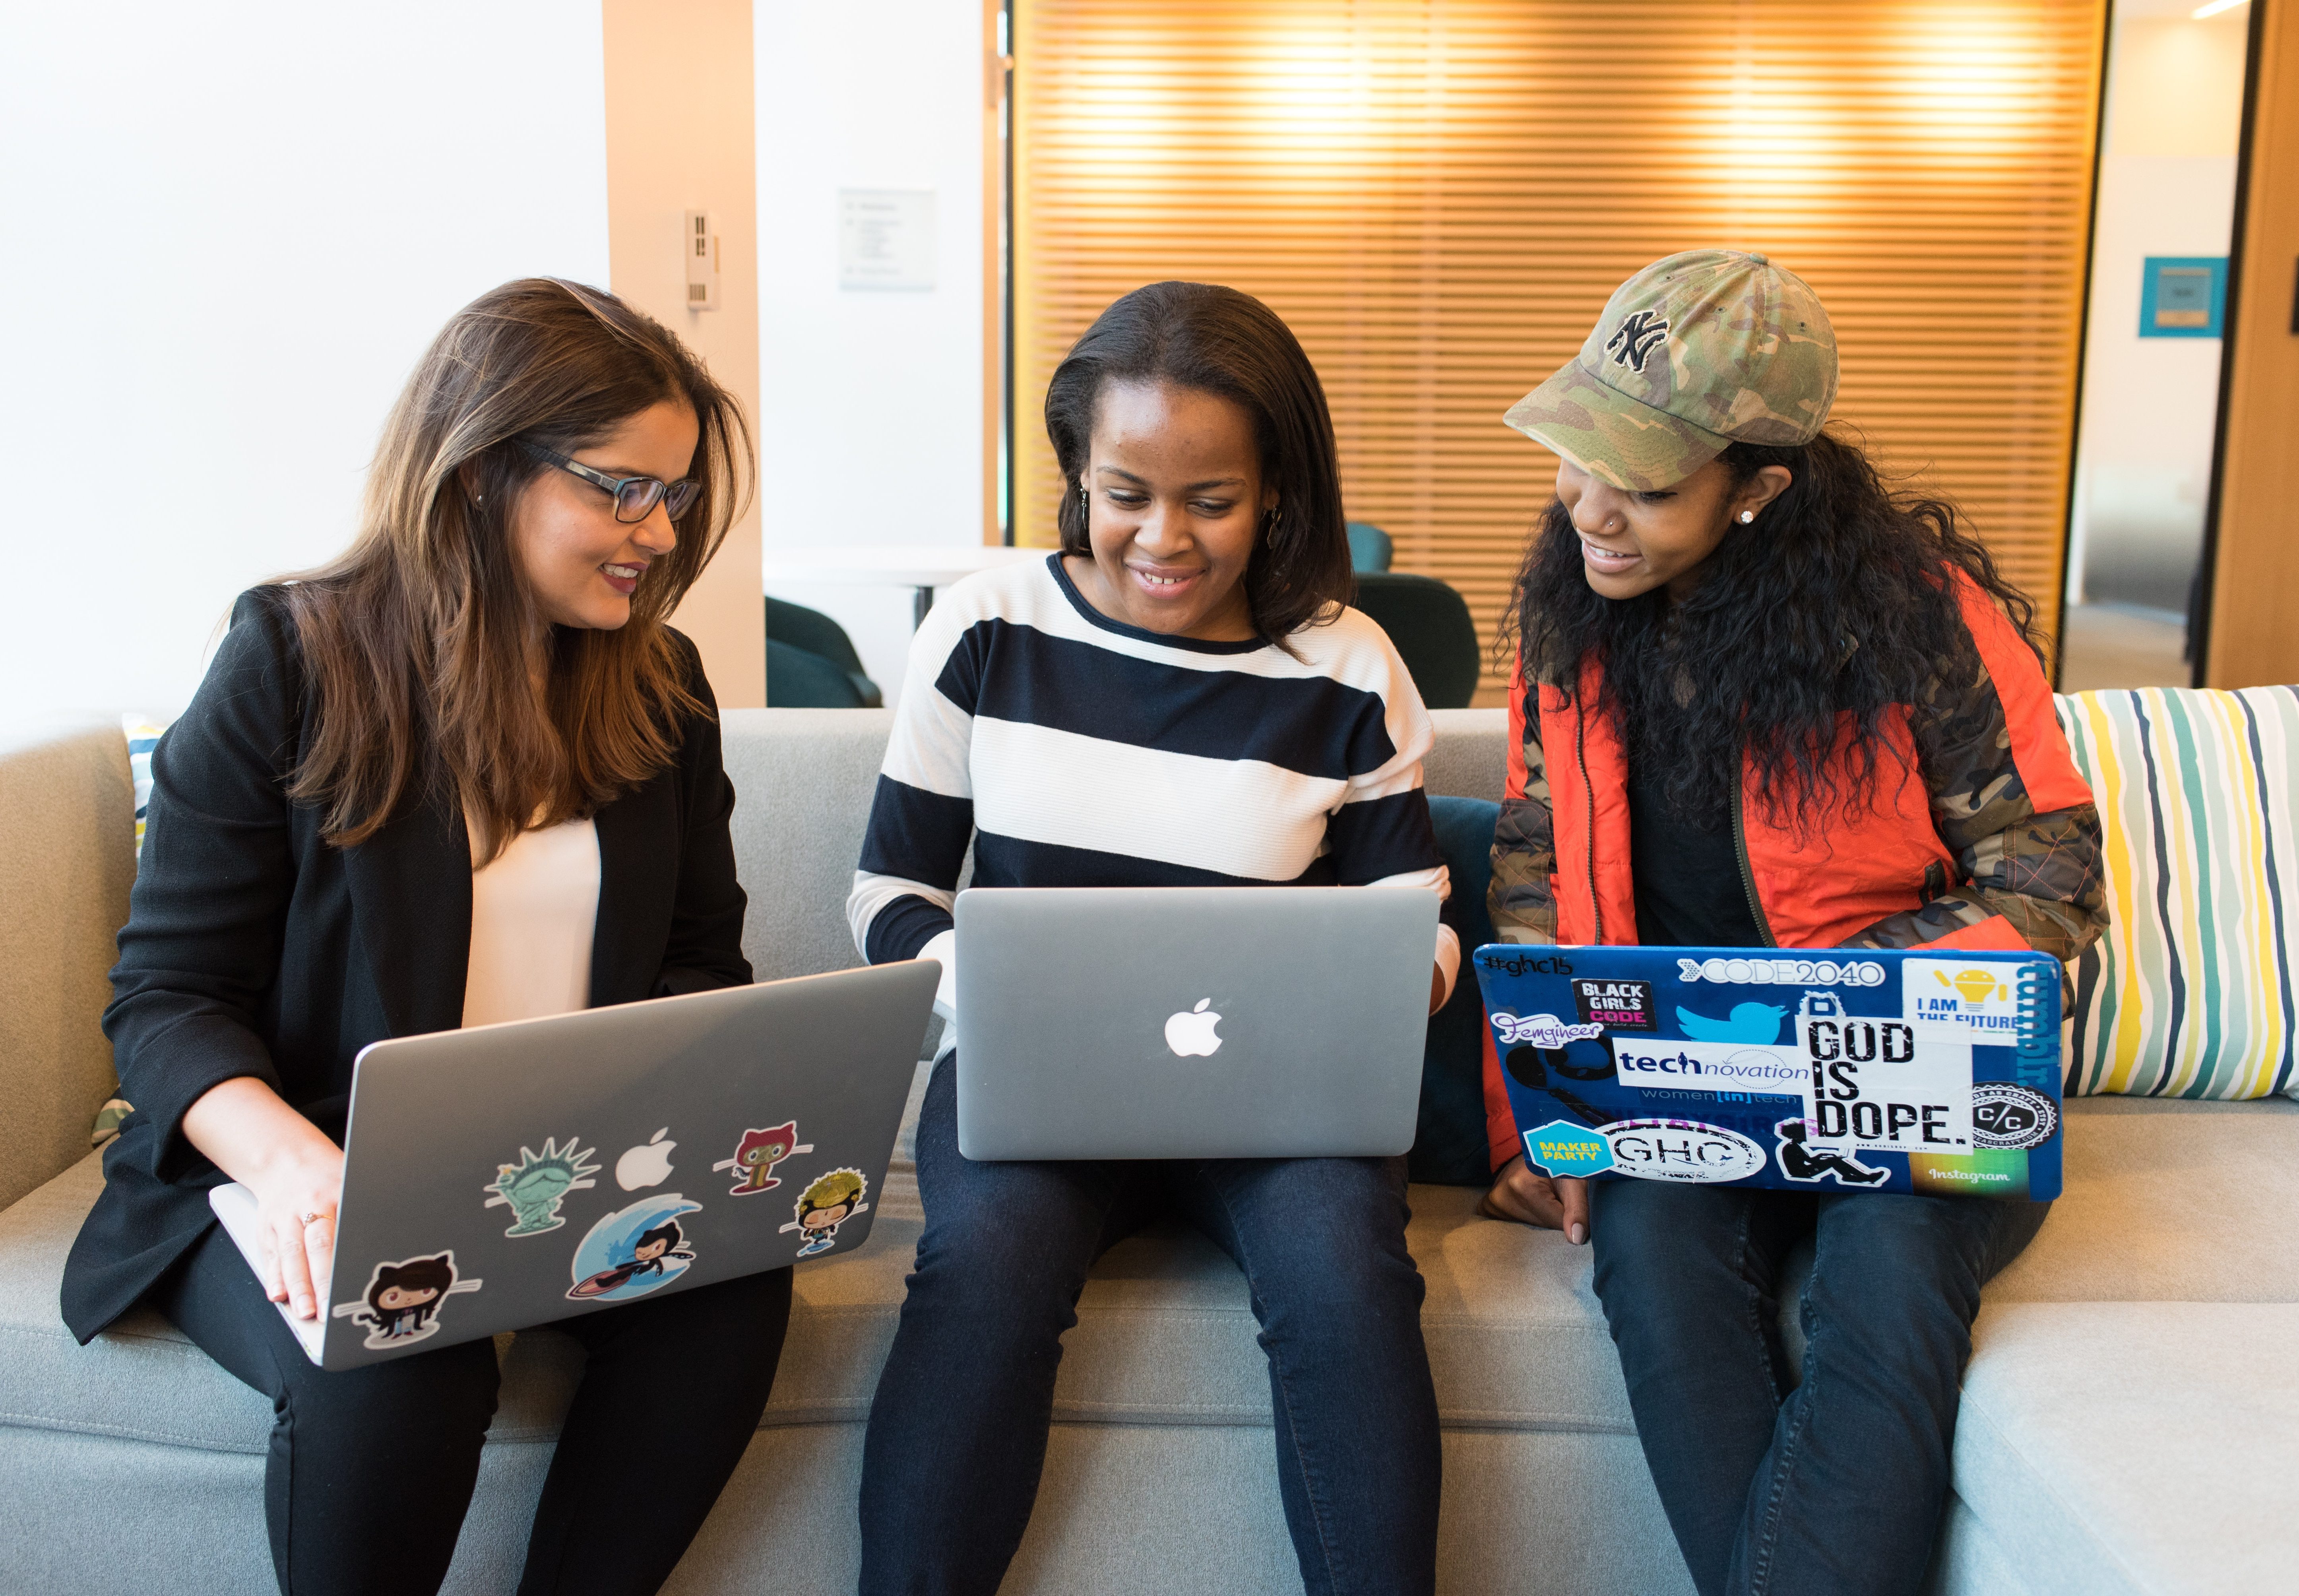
[254,947]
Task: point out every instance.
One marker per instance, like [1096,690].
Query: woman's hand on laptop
[295,1173]
[1555,1202]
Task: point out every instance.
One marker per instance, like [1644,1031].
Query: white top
[533,909]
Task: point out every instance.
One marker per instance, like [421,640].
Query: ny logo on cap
[1634,338]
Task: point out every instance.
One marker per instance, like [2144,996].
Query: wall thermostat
[701,263]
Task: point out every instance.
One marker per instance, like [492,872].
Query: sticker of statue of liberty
[828,1202]
[533,1187]
[757,1155]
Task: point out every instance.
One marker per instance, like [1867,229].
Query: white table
[922,566]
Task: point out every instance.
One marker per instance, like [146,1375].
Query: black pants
[958,1434]
[1834,1484]
[370,1469]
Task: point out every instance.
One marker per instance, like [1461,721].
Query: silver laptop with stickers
[511,1175]
[1192,1022]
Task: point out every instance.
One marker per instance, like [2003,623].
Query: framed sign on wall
[2182,296]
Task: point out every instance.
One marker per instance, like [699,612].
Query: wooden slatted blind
[1437,196]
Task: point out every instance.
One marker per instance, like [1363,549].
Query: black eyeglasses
[634,497]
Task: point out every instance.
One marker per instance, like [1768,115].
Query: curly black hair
[1837,600]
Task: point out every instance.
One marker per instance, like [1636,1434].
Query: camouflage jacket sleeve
[1520,899]
[2041,871]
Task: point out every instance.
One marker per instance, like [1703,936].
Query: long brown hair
[417,640]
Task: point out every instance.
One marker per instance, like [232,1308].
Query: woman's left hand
[1437,993]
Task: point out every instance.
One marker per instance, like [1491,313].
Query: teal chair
[1430,625]
[811,663]
[1370,548]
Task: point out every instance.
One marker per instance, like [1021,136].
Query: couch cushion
[2190,991]
[2165,1202]
[1166,1334]
[68,856]
[2130,1447]
[803,781]
[2169,1201]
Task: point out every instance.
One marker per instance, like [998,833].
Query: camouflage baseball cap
[1694,352]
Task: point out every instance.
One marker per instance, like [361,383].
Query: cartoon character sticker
[757,1155]
[1800,1162]
[533,1187]
[828,1202]
[402,1303]
[634,1251]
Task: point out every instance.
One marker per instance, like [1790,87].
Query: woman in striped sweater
[1179,696]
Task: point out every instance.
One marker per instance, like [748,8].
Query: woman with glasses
[463,774]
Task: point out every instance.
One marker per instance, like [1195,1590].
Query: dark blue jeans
[1833,1486]
[957,1431]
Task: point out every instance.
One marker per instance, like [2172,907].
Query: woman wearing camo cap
[1765,700]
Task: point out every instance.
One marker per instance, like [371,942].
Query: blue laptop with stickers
[1926,1071]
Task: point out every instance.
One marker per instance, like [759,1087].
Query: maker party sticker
[1562,1147]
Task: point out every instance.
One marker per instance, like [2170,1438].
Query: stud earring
[1747,515]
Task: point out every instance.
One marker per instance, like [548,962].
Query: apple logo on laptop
[646,1164]
[1190,1034]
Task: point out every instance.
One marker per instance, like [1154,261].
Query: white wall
[870,407]
[231,230]
[2151,405]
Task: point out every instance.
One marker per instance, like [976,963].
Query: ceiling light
[2214,8]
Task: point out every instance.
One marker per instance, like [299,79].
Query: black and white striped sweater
[1076,751]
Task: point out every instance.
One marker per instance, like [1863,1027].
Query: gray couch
[2131,1417]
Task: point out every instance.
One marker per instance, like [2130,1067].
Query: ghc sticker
[1561,1147]
[1542,1030]
[1684,1150]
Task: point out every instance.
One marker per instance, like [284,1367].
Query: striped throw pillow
[143,736]
[2189,994]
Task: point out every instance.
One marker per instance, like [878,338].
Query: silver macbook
[511,1175]
[1192,1022]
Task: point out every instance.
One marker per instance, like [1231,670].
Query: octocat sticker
[634,1251]
[402,1303]
[828,1202]
[755,1156]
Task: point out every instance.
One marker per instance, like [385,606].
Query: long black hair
[1838,599]
[1219,341]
